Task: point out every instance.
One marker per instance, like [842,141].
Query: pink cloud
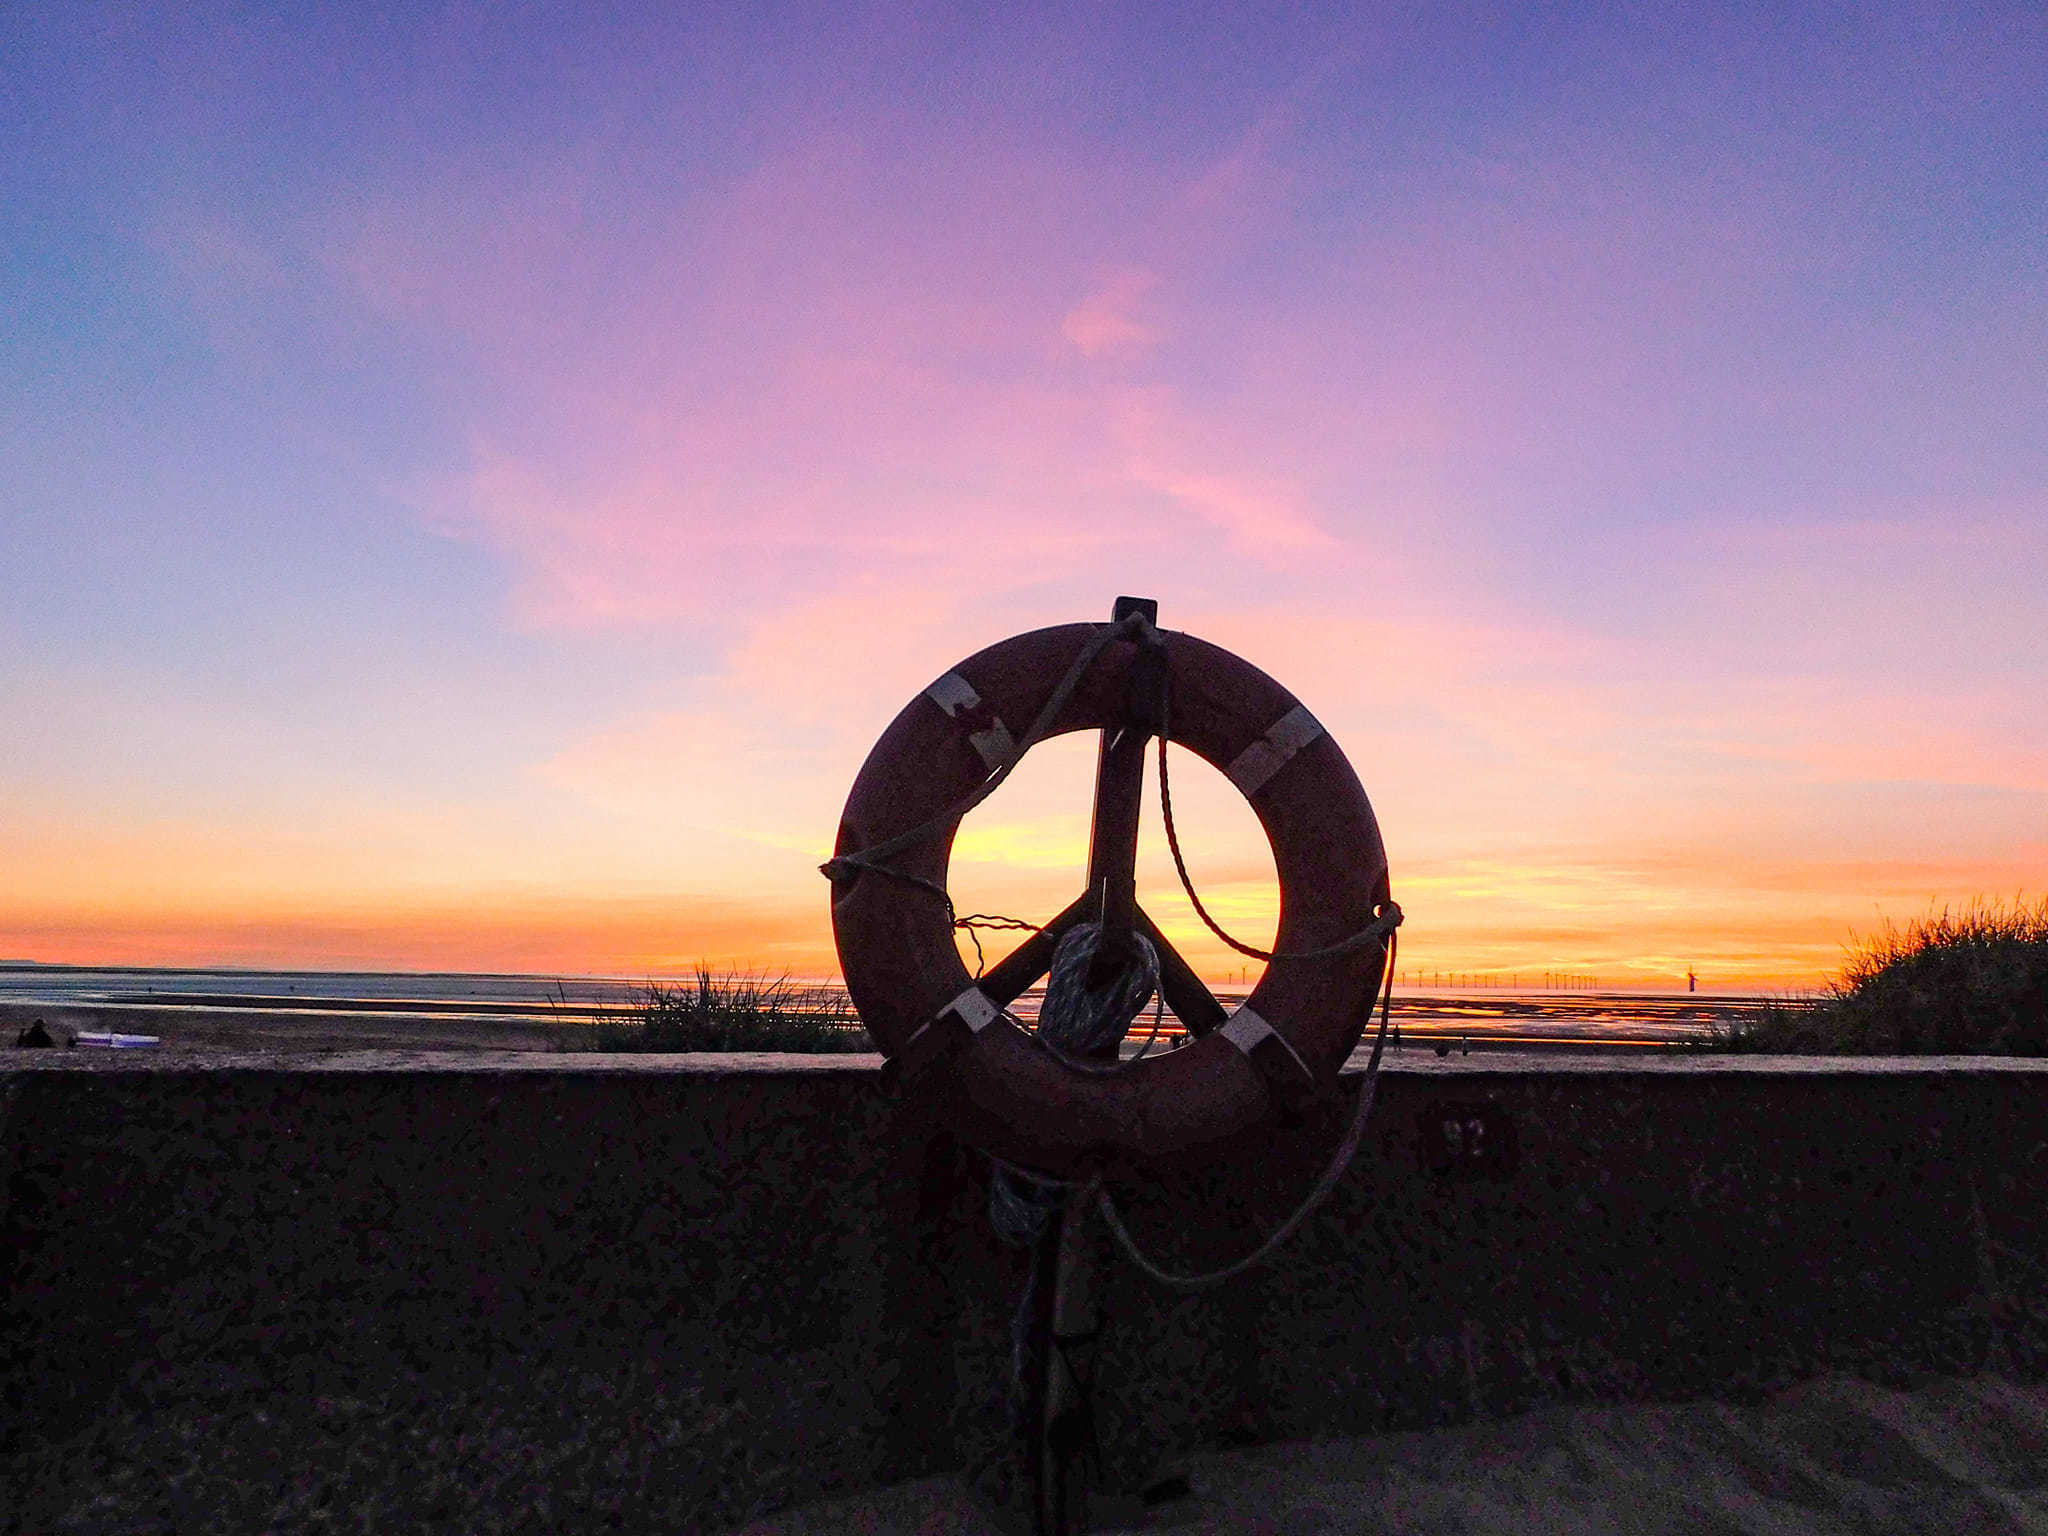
[1258,518]
[814,375]
[1105,321]
[812,366]
[1169,453]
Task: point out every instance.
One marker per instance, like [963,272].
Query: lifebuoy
[894,925]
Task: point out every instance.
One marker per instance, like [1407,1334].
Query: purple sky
[473,483]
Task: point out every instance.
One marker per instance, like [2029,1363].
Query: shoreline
[299,1011]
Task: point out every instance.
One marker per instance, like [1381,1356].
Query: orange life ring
[894,925]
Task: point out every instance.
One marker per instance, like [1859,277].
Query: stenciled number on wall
[1472,1138]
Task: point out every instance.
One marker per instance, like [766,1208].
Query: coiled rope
[1076,1021]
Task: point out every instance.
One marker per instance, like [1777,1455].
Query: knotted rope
[1075,1022]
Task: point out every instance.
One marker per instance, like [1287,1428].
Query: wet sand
[319,1024]
[297,1028]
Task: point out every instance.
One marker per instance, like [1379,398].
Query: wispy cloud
[1165,453]
[1106,321]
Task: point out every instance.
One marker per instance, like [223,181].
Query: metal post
[1120,793]
[1070,1311]
[1073,1318]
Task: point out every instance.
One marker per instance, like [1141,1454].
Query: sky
[476,480]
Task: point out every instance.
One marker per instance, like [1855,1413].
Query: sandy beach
[1835,1455]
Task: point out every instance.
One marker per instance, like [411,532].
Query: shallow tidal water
[529,1011]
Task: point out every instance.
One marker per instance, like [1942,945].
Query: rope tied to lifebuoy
[1340,1162]
[847,864]
[1025,1190]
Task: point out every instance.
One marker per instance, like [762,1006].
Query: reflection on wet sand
[316,1010]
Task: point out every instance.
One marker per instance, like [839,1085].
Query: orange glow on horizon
[1628,928]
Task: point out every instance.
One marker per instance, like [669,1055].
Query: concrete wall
[498,1292]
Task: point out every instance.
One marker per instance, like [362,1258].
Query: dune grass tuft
[732,1013]
[1967,983]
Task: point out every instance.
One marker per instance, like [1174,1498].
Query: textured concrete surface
[476,1293]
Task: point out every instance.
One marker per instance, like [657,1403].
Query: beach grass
[1972,982]
[727,1013]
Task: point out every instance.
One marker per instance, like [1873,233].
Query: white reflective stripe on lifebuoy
[995,744]
[1269,754]
[953,693]
[1246,1028]
[977,1010]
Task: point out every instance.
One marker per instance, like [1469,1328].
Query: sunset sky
[475,480]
